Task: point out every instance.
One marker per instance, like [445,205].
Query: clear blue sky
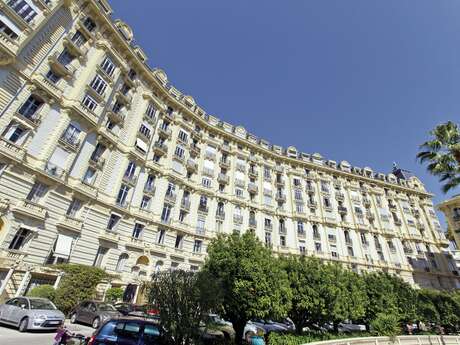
[356,80]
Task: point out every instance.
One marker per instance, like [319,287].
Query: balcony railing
[11,150]
[191,165]
[220,215]
[252,188]
[203,208]
[312,203]
[96,161]
[268,226]
[223,179]
[225,163]
[160,148]
[130,178]
[237,219]
[149,189]
[54,170]
[342,209]
[164,132]
[280,196]
[339,196]
[185,204]
[170,197]
[252,223]
[194,150]
[70,142]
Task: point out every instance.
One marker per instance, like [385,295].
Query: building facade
[104,163]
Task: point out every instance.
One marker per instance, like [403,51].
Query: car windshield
[41,304]
[105,307]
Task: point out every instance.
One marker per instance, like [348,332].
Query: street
[11,336]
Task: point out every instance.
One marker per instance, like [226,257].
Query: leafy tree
[406,298]
[442,153]
[305,279]
[426,307]
[183,300]
[78,284]
[43,291]
[114,294]
[252,282]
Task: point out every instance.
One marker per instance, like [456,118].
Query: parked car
[252,329]
[93,313]
[29,313]
[217,328]
[128,331]
[140,310]
[270,326]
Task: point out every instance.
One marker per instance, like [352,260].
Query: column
[7,279]
[58,280]
[22,286]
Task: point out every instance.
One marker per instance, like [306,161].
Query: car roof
[135,318]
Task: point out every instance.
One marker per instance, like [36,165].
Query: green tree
[78,284]
[114,294]
[442,154]
[406,299]
[426,307]
[43,291]
[305,279]
[386,324]
[252,281]
[183,300]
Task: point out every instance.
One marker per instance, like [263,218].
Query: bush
[43,291]
[310,337]
[114,294]
[78,284]
[386,325]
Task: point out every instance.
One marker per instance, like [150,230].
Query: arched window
[121,264]
[347,236]
[158,266]
[143,261]
[220,208]
[237,211]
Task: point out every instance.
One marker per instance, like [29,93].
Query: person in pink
[61,336]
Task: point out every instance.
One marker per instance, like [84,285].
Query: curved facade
[103,162]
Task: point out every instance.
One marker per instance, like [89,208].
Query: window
[78,39]
[98,152]
[171,189]
[52,77]
[161,236]
[150,182]
[61,250]
[363,238]
[89,103]
[302,249]
[334,253]
[239,192]
[143,129]
[268,239]
[300,228]
[30,106]
[74,207]
[166,213]
[101,252]
[197,246]
[138,230]
[267,173]
[151,111]
[283,241]
[183,136]
[145,202]
[37,192]
[108,66]
[327,203]
[90,176]
[71,134]
[182,215]
[299,208]
[315,231]
[65,58]
[130,170]
[318,247]
[20,239]
[121,264]
[179,152]
[298,194]
[122,195]
[23,9]
[297,182]
[179,240]
[113,222]
[206,182]
[6,30]
[98,84]
[89,24]
[15,133]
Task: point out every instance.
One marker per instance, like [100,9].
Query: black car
[139,310]
[128,331]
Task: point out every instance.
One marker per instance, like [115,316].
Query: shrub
[386,325]
[309,337]
[114,294]
[43,291]
[78,284]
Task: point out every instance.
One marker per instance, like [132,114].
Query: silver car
[28,313]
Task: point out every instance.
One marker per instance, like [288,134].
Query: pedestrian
[62,335]
[409,329]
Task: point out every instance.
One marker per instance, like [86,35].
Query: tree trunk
[238,326]
[456,154]
[336,327]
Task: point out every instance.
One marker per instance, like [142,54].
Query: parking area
[11,336]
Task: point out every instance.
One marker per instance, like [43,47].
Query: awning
[63,246]
[141,144]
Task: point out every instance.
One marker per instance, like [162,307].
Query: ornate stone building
[103,162]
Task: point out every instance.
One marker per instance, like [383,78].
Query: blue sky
[356,80]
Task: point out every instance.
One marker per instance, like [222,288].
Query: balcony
[241,167]
[116,116]
[342,209]
[280,197]
[61,67]
[109,236]
[194,150]
[130,179]
[160,148]
[416,212]
[200,231]
[31,209]
[220,215]
[392,207]
[253,173]
[170,198]
[191,165]
[370,216]
[70,142]
[282,230]
[268,226]
[203,209]
[223,179]
[398,222]
[185,205]
[225,148]
[54,170]
[301,234]
[124,97]
[149,189]
[96,162]
[164,132]
[312,204]
[252,188]
[224,163]
[367,202]
[309,188]
[70,223]
[420,226]
[339,196]
[210,156]
[237,219]
[11,150]
[279,169]
[280,182]
[337,184]
[252,224]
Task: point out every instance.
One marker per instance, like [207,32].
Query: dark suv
[128,331]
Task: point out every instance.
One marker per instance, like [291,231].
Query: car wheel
[23,324]
[73,318]
[96,322]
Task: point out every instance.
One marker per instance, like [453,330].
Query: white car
[251,329]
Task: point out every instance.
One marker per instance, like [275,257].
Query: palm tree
[442,154]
